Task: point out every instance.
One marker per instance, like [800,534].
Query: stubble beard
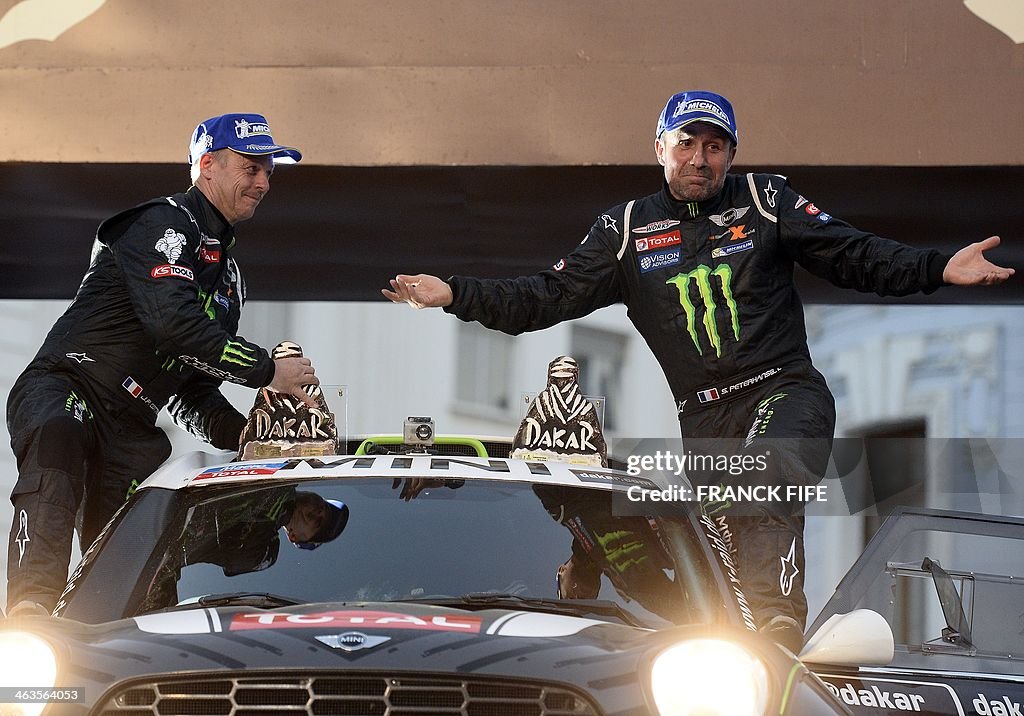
[684,191]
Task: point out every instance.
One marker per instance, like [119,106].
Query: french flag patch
[706,396]
[132,387]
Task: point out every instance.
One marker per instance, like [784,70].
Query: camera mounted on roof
[418,431]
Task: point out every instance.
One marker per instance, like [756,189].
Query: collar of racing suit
[209,217]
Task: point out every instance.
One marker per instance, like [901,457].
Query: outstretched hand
[419,291]
[969,267]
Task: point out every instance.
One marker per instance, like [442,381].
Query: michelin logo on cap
[243,133]
[244,128]
[685,108]
[700,105]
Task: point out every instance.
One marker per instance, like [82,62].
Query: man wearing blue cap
[154,322]
[705,267]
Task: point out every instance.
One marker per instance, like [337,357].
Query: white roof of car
[199,469]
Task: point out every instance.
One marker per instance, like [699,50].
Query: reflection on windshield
[361,540]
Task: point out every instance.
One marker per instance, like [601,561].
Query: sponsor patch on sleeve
[172,271]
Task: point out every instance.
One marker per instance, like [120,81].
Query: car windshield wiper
[264,600]
[571,607]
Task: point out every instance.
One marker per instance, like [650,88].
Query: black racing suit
[709,286]
[153,321]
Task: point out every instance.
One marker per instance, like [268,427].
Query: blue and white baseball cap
[242,133]
[692,106]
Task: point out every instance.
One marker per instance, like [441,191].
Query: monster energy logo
[702,277]
[238,354]
[277,508]
[623,555]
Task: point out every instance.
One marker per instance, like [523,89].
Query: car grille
[347,695]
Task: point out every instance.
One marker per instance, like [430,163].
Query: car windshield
[375,540]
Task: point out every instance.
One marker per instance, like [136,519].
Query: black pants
[787,426]
[76,461]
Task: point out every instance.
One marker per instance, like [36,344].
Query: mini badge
[352,641]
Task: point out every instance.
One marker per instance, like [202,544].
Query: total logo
[241,470]
[660,241]
[361,618]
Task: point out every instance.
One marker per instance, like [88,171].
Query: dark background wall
[338,233]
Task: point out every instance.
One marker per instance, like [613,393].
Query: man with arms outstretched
[705,267]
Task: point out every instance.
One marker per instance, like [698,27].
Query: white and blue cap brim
[280,154]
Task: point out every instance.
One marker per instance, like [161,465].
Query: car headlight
[29,664]
[708,677]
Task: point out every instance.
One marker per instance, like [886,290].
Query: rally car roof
[200,469]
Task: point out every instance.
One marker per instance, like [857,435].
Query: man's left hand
[969,267]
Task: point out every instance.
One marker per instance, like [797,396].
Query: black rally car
[410,584]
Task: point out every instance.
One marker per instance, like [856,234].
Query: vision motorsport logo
[701,276]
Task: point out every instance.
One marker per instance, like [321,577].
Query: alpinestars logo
[789,570]
[22,537]
[701,276]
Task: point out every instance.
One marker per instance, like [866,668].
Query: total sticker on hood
[357,618]
[512,624]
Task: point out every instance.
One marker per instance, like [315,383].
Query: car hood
[382,638]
